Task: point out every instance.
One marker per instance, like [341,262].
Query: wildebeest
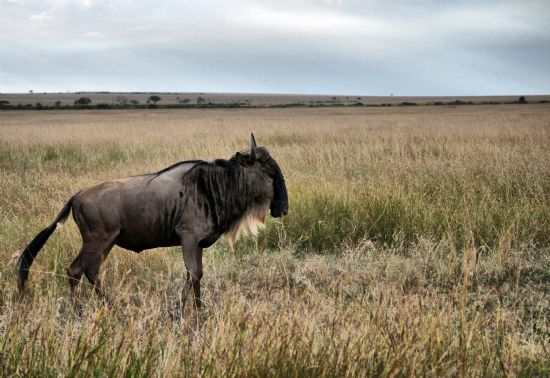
[191,203]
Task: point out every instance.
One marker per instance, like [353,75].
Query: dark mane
[223,163]
[219,162]
[164,170]
[262,155]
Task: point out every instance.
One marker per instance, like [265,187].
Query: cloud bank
[324,47]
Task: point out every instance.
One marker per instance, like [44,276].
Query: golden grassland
[417,243]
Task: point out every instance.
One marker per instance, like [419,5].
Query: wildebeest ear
[252,148]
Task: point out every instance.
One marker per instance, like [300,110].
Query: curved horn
[252,147]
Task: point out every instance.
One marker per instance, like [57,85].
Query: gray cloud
[344,47]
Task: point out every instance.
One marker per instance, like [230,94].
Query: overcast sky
[415,47]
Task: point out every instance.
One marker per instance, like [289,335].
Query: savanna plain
[417,244]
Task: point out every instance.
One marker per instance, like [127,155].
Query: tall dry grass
[417,244]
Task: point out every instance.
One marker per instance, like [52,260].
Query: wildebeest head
[267,176]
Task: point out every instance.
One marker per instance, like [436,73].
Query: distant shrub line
[121,102]
[39,106]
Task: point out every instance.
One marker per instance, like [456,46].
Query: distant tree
[201,100]
[31,91]
[134,102]
[83,101]
[4,103]
[39,106]
[154,99]
[522,100]
[57,104]
[458,102]
[121,100]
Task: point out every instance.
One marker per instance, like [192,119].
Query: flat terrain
[247,99]
[417,244]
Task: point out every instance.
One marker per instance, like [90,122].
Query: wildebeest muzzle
[279,205]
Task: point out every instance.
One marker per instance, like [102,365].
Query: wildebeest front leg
[192,256]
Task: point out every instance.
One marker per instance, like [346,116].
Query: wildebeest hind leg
[93,256]
[74,273]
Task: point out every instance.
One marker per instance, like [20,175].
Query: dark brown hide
[191,204]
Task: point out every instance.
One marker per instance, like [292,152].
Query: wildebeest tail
[30,252]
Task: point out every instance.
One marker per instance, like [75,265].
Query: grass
[417,243]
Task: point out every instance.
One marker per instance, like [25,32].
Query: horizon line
[266,93]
